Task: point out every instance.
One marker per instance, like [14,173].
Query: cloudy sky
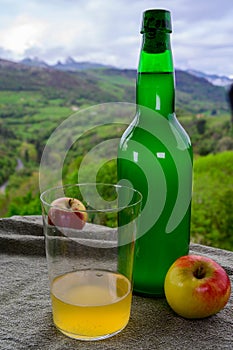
[107,31]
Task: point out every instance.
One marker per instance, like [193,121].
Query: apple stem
[70,203]
[199,273]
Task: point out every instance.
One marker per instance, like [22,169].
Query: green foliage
[29,204]
[225,144]
[199,95]
[8,155]
[108,172]
[212,214]
[33,102]
[22,195]
[7,166]
[209,134]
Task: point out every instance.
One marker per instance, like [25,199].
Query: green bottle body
[155,156]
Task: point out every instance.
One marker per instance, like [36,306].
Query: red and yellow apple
[196,286]
[67,212]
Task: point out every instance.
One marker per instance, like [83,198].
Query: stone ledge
[22,235]
[29,231]
[24,225]
[26,322]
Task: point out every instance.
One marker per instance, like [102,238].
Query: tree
[212,214]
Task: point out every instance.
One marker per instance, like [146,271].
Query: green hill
[195,95]
[72,87]
[35,100]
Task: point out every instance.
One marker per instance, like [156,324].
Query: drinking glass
[90,253]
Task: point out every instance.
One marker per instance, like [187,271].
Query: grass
[20,98]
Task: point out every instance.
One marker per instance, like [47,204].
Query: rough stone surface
[25,316]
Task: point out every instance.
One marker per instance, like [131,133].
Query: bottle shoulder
[129,131]
[178,128]
[155,128]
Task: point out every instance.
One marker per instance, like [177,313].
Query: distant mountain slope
[193,94]
[198,94]
[106,84]
[34,62]
[82,86]
[69,64]
[212,78]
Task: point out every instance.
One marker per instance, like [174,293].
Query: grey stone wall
[25,311]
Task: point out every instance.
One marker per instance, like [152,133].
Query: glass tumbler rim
[115,209]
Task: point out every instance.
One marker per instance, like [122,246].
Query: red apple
[196,286]
[67,212]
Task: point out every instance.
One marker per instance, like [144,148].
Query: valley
[35,100]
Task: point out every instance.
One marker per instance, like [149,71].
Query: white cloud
[23,33]
[108,31]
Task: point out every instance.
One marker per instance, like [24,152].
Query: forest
[35,101]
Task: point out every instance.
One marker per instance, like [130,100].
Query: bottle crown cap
[156,20]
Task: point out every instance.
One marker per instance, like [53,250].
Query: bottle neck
[155,78]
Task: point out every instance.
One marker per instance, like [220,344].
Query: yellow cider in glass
[91,304]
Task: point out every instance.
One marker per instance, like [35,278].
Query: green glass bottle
[155,156]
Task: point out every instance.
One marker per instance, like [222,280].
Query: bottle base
[143,293]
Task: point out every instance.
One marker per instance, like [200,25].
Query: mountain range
[72,65]
[69,65]
[219,80]
[81,83]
